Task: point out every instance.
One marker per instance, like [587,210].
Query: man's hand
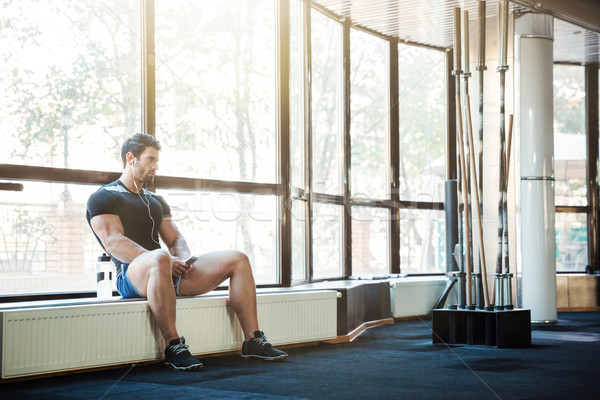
[181,268]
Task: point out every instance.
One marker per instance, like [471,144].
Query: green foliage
[422,118]
[569,99]
[72,58]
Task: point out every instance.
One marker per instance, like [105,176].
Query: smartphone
[191,260]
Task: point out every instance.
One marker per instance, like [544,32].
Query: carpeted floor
[387,362]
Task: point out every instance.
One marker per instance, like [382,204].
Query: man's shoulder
[105,200]
[114,187]
[109,191]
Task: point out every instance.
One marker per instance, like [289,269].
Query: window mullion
[346,113]
[148,68]
[394,156]
[591,114]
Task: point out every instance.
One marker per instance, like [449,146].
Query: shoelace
[179,348]
[261,340]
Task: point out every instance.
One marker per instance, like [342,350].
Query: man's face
[146,165]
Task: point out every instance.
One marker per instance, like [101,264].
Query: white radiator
[59,338]
[412,297]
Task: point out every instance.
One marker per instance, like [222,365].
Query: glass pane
[569,135]
[571,242]
[298,240]
[296,94]
[368,100]
[212,221]
[370,241]
[422,241]
[71,82]
[326,59]
[46,244]
[422,123]
[327,241]
[215,88]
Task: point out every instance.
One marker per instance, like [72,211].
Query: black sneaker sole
[194,367]
[276,358]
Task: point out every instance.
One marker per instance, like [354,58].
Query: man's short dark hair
[137,144]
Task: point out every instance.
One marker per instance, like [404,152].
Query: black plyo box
[502,328]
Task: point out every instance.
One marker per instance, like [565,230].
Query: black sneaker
[260,348]
[178,357]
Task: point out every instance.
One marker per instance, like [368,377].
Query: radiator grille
[52,339]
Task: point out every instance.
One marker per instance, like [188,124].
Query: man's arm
[109,229]
[177,245]
[173,238]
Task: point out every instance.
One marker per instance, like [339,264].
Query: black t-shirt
[134,210]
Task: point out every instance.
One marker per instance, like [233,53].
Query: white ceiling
[430,22]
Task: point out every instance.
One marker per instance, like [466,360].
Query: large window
[421,78]
[326,56]
[365,180]
[73,76]
[299,259]
[327,241]
[370,241]
[70,76]
[216,118]
[570,167]
[297,95]
[215,88]
[422,157]
[571,242]
[569,136]
[368,107]
[298,140]
[326,140]
[422,245]
[70,79]
[213,221]
[45,242]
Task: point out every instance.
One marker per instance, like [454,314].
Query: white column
[534,98]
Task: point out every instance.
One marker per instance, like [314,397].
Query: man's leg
[150,274]
[212,269]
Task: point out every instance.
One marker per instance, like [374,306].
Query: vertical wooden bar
[283,150]
[394,151]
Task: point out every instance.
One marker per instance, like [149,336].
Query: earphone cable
[147,204]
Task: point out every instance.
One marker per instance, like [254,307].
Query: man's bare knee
[240,261]
[161,262]
[237,257]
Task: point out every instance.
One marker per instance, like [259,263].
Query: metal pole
[477,208]
[458,251]
[466,208]
[451,200]
[502,209]
[466,74]
[451,212]
[481,68]
[508,304]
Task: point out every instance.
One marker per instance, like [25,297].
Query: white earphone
[146,203]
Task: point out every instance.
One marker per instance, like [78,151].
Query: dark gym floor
[395,361]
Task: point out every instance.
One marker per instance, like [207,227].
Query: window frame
[283,188]
[592,209]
